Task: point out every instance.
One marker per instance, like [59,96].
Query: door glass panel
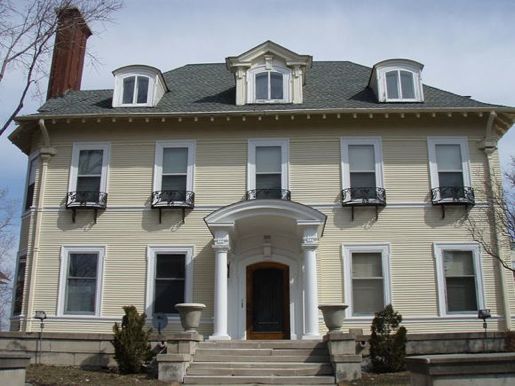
[267,300]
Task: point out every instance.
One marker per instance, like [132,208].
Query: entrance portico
[275,242]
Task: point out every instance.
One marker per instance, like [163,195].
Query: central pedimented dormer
[269,73]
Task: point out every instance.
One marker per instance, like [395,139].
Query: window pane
[366,265]
[168,293]
[88,184]
[174,183]
[363,180]
[90,162]
[268,159]
[175,160]
[276,85]
[262,85]
[80,295]
[367,296]
[361,158]
[461,294]
[170,266]
[448,157]
[32,171]
[450,179]
[128,89]
[20,284]
[30,196]
[142,89]
[83,265]
[268,181]
[407,85]
[392,90]
[458,263]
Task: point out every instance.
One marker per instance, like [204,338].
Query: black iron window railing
[453,195]
[86,200]
[278,194]
[173,199]
[363,196]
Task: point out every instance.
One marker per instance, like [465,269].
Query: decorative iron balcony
[278,194]
[86,200]
[363,196]
[173,199]
[453,195]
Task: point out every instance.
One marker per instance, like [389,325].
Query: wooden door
[268,301]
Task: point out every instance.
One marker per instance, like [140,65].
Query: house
[262,187]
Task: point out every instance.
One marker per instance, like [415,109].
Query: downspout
[46,152]
[489,146]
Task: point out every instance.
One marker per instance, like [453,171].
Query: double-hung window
[268,169]
[169,278]
[460,288]
[449,167]
[367,283]
[88,176]
[31,182]
[81,280]
[362,168]
[173,171]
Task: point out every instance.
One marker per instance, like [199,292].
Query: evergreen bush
[131,341]
[387,341]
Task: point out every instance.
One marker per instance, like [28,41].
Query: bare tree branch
[7,212]
[26,29]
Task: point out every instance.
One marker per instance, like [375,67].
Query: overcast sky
[467,46]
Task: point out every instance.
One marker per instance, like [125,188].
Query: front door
[268,301]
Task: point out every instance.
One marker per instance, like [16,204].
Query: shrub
[131,341]
[388,341]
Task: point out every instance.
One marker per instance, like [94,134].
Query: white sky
[467,46]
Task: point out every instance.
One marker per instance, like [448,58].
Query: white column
[309,246]
[221,247]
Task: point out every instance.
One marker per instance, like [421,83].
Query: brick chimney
[69,51]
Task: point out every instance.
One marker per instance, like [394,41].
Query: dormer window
[269,84]
[397,80]
[138,85]
[135,90]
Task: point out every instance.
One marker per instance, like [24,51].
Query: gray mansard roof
[210,88]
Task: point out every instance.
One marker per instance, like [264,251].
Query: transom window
[400,85]
[367,279]
[459,278]
[269,86]
[81,280]
[135,90]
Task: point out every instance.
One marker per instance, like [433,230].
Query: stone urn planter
[334,315]
[190,315]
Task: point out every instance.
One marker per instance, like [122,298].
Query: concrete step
[257,365]
[262,351]
[258,380]
[271,370]
[216,357]
[283,344]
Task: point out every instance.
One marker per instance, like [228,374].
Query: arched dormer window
[269,84]
[138,86]
[397,80]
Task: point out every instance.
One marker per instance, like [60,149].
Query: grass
[43,375]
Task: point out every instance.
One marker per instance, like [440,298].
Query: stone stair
[273,362]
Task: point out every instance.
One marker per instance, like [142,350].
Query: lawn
[39,375]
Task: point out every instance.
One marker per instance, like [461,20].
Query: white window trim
[251,163]
[465,158]
[158,162]
[345,164]
[347,251]
[414,74]
[77,147]
[63,273]
[438,249]
[152,252]
[118,88]
[417,82]
[251,84]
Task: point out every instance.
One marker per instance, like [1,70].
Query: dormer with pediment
[269,73]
